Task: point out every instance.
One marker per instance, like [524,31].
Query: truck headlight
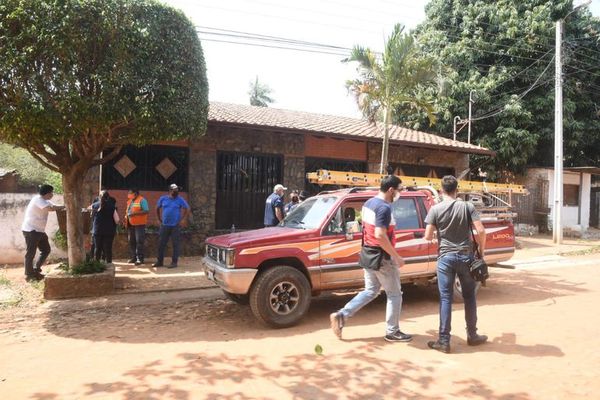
[227,257]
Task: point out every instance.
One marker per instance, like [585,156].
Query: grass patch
[584,252]
[4,281]
[86,267]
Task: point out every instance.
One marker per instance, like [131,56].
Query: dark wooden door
[244,180]
[595,207]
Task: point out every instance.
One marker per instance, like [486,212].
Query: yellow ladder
[327,177]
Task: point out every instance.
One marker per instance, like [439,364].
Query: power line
[266,38]
[503,108]
[276,47]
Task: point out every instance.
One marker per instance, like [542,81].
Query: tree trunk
[386,139]
[72,185]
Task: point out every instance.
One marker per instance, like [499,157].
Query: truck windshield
[310,213]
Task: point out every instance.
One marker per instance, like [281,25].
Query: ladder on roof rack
[327,177]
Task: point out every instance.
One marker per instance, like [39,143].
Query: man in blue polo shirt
[274,206]
[171,211]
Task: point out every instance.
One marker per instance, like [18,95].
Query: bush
[60,240]
[86,267]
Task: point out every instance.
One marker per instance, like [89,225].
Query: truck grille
[212,252]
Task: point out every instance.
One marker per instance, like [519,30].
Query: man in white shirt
[34,227]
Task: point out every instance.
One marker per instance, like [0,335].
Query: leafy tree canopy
[78,76]
[396,79]
[504,51]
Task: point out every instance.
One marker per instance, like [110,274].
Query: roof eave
[481,151]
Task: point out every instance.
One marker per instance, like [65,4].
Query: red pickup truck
[278,269]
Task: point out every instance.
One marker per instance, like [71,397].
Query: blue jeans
[136,235]
[164,234]
[388,277]
[448,267]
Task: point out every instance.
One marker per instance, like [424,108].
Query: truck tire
[457,293]
[280,296]
[237,298]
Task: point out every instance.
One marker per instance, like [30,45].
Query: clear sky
[300,80]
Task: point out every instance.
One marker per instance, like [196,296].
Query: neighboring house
[227,174]
[9,181]
[581,201]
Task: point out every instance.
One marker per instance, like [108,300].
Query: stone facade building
[227,174]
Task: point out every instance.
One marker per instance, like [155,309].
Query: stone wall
[203,163]
[417,156]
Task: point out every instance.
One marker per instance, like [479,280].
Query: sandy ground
[540,318]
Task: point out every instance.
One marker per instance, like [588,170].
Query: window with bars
[152,167]
[311,164]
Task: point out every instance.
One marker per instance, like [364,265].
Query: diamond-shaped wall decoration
[125,166]
[166,168]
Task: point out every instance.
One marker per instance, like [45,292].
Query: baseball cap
[279,186]
[173,186]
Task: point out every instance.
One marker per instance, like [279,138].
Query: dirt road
[541,320]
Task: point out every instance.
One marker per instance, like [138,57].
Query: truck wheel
[237,298]
[280,296]
[457,295]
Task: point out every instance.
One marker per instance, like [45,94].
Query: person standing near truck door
[274,206]
[449,219]
[378,233]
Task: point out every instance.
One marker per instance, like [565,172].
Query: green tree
[31,172]
[504,51]
[80,76]
[260,94]
[392,81]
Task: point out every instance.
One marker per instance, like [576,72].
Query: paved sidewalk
[145,278]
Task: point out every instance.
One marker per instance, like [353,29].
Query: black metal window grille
[311,164]
[244,181]
[145,176]
[429,171]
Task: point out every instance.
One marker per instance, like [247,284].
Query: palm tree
[259,94]
[389,81]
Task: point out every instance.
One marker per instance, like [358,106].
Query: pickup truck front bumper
[237,281]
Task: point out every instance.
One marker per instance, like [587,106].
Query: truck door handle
[419,234]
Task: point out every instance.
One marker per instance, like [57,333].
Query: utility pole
[557,227]
[557,231]
[472,98]
[456,119]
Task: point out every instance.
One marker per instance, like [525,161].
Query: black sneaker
[337,323]
[172,266]
[398,337]
[138,262]
[476,340]
[157,264]
[439,346]
[131,261]
[34,278]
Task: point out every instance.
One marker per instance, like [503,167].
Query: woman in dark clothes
[105,225]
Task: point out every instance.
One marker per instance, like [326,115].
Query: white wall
[12,212]
[570,214]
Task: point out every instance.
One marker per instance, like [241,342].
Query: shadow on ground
[219,319]
[355,374]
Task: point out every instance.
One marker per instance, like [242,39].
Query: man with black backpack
[453,220]
[380,261]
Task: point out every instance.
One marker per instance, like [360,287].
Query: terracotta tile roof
[267,117]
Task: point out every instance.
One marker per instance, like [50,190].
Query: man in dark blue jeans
[171,211]
[449,220]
